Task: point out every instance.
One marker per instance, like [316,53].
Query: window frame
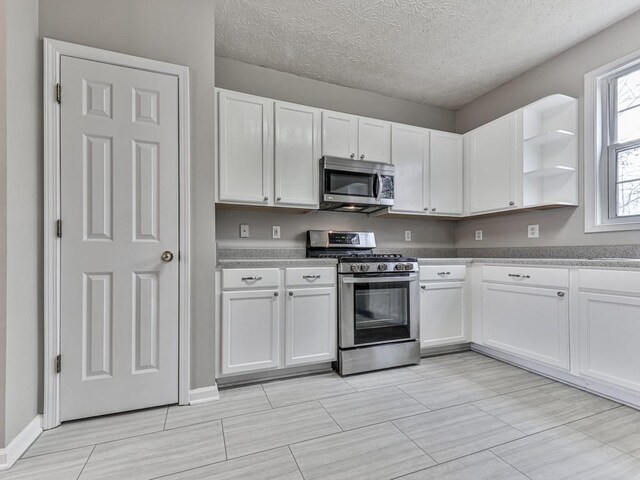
[601,149]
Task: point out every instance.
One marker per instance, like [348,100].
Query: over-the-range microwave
[348,185]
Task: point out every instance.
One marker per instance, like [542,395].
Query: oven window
[348,183]
[381,312]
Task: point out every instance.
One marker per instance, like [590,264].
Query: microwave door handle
[378,186]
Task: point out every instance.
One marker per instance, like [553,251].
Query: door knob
[166,256]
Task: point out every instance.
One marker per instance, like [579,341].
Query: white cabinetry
[297,151]
[311,325]
[610,327]
[410,155]
[525,320]
[245,148]
[443,306]
[250,331]
[491,155]
[349,136]
[444,174]
[272,318]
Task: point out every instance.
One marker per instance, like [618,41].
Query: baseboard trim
[203,395]
[20,443]
[616,394]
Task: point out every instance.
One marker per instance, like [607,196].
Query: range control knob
[408,266]
[354,267]
[364,268]
[399,266]
[383,267]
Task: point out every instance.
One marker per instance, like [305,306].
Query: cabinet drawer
[518,275]
[433,273]
[610,281]
[310,276]
[250,278]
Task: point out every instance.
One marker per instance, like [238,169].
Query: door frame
[53,51]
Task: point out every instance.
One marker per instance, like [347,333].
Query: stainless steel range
[378,310]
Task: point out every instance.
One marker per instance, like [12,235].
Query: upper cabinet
[339,135]
[245,148]
[491,153]
[526,159]
[349,136]
[297,150]
[410,155]
[444,177]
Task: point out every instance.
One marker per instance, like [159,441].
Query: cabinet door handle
[362,157]
[512,203]
[311,277]
[561,294]
[433,209]
[279,198]
[353,155]
[266,199]
[424,287]
[291,294]
[276,294]
[251,279]
[444,273]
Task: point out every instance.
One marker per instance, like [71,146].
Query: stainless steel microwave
[348,185]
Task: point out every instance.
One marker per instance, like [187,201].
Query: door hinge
[58,363]
[59,228]
[58,93]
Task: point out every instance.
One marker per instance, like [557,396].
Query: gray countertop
[560,262]
[277,263]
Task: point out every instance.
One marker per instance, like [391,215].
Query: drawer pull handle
[311,277]
[515,275]
[561,294]
[251,279]
[424,287]
[444,273]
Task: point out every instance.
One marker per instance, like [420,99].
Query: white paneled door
[119,204]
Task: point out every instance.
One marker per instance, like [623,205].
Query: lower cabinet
[610,338]
[442,314]
[311,325]
[527,321]
[250,331]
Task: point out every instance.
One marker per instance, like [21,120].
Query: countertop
[559,262]
[277,263]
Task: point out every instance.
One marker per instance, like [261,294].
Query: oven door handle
[409,278]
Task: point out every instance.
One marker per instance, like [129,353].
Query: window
[612,146]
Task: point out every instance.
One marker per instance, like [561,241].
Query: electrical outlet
[533,231]
[478,234]
[407,235]
[244,230]
[275,231]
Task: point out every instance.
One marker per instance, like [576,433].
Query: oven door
[377,309]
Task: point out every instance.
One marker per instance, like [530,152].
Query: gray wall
[23,219]
[3,217]
[243,77]
[179,32]
[561,74]
[293,228]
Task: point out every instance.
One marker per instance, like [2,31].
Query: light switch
[244,230]
[478,234]
[407,235]
[275,231]
[533,231]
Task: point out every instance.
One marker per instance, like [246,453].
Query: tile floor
[455,417]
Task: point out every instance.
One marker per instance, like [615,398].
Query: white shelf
[549,172]
[550,138]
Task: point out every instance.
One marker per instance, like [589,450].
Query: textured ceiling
[443,53]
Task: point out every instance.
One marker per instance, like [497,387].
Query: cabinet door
[492,165]
[245,148]
[311,325]
[374,140]
[526,321]
[250,331]
[609,338]
[297,155]
[339,134]
[442,314]
[409,154]
[444,176]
